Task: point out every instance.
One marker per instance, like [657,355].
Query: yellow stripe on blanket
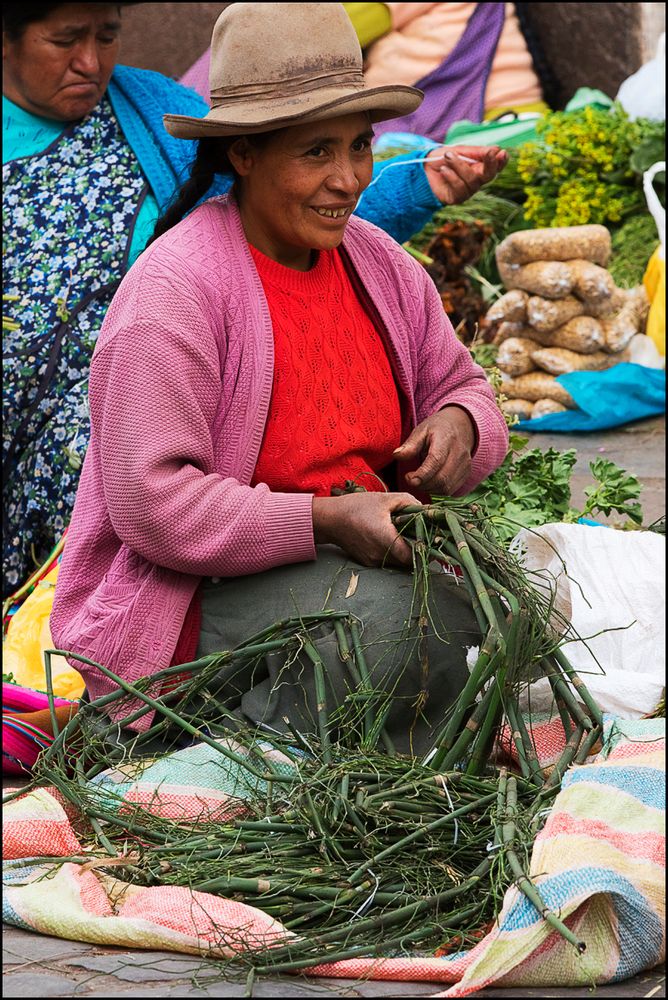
[596,805]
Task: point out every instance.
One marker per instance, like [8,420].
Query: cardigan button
[215,579]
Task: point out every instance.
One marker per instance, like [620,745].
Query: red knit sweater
[334,413]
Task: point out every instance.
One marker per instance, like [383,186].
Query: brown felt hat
[278,64]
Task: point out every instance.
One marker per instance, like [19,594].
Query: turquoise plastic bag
[606,399]
[510,130]
[507,131]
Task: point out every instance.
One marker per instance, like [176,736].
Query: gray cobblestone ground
[39,966]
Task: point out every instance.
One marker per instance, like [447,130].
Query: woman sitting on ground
[87,169]
[266,351]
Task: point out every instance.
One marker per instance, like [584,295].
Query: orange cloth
[425,33]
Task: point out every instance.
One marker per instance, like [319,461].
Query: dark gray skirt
[416,656]
[419,677]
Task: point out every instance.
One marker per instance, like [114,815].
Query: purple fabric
[455,90]
[197,77]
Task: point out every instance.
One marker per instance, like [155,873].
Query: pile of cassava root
[562,313]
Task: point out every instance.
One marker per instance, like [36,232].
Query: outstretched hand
[453,178]
[443,444]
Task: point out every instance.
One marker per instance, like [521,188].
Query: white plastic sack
[643,95]
[605,579]
[643,351]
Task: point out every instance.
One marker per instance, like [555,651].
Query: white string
[367,902]
[452,806]
[408,163]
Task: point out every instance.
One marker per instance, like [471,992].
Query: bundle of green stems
[357,850]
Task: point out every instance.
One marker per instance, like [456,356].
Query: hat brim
[382,103]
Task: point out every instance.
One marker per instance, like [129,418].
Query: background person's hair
[211,159]
[17,16]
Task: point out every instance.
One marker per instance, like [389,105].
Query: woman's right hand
[361,525]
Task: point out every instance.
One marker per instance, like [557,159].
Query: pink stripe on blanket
[636,748]
[36,838]
[647,845]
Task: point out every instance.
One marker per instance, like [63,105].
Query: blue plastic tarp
[605,399]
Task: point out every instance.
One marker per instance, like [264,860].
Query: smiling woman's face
[60,66]
[298,189]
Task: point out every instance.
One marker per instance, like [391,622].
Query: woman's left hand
[443,443]
[453,178]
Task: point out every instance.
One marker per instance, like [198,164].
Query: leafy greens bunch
[587,166]
[532,487]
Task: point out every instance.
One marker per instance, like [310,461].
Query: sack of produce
[561,296]
[545,406]
[583,334]
[515,356]
[510,308]
[520,408]
[630,320]
[545,315]
[559,361]
[535,386]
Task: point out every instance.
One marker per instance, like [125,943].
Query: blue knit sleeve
[140,98]
[399,198]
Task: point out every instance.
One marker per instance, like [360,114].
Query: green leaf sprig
[615,490]
[531,488]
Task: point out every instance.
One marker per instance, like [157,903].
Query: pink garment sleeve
[197,76]
[155,393]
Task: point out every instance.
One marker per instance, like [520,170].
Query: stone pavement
[640,448]
[38,966]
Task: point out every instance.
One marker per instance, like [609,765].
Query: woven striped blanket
[598,862]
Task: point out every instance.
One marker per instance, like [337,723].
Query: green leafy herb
[615,490]
[586,166]
[484,354]
[632,246]
[533,487]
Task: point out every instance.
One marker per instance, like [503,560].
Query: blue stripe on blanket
[638,951]
[19,875]
[643,783]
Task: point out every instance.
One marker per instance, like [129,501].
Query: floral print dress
[68,217]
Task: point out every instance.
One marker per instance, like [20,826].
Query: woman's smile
[334,214]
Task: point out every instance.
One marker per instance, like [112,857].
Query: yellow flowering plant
[586,166]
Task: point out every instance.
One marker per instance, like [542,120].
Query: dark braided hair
[549,84]
[211,159]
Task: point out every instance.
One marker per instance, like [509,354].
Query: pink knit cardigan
[180,386]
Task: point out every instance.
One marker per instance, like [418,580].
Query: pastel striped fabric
[598,862]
